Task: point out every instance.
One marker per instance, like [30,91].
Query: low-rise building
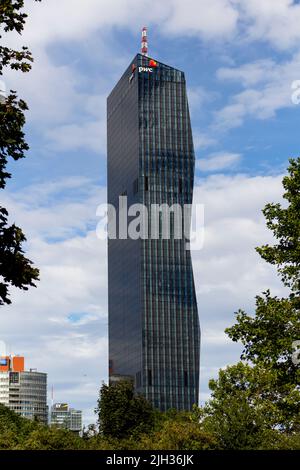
[62,416]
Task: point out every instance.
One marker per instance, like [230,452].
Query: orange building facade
[12,364]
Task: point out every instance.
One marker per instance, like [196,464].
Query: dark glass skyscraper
[154,334]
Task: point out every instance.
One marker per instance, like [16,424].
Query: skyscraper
[154,333]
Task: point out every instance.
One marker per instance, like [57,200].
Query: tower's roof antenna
[144,42]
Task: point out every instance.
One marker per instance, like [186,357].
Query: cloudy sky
[240,59]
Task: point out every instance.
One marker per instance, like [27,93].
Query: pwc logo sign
[145,69]
[152,64]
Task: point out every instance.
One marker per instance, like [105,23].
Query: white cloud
[56,209]
[206,18]
[202,140]
[63,113]
[88,136]
[228,271]
[274,21]
[198,96]
[270,91]
[250,74]
[49,89]
[218,161]
[234,225]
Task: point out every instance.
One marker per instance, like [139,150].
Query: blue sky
[240,60]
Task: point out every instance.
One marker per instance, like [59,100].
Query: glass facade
[154,333]
[25,393]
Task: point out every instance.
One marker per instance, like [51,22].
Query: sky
[240,59]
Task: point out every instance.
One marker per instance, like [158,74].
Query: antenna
[144,42]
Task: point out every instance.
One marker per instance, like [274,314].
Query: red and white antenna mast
[144,42]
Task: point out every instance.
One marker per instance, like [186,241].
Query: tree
[285,225]
[177,432]
[268,336]
[256,403]
[13,428]
[15,269]
[122,412]
[242,412]
[50,438]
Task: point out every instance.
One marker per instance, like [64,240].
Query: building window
[138,380]
[185,378]
[180,185]
[146,183]
[135,186]
[149,377]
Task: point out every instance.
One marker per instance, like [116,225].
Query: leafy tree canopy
[122,412]
[285,225]
[15,269]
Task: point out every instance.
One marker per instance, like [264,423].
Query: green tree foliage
[18,433]
[46,438]
[122,412]
[242,413]
[179,433]
[285,225]
[15,268]
[12,18]
[269,335]
[171,430]
[13,428]
[256,403]
[230,423]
